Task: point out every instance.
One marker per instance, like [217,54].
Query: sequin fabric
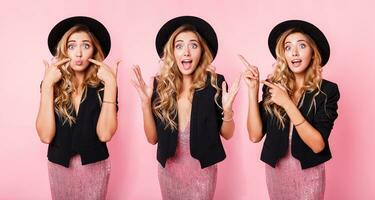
[288,181]
[183,178]
[79,182]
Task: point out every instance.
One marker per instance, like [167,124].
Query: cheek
[288,55]
[70,53]
[307,54]
[177,53]
[196,54]
[89,53]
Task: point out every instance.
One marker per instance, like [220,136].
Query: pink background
[242,27]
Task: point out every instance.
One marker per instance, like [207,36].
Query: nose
[187,51]
[79,52]
[295,52]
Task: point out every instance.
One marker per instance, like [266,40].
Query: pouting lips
[78,62]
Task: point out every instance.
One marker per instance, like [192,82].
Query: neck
[79,77]
[187,81]
[300,79]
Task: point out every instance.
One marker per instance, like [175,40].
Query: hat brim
[308,28]
[203,28]
[95,27]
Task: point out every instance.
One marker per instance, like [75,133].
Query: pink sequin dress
[289,182]
[183,178]
[79,182]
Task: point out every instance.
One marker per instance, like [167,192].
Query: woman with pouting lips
[78,109]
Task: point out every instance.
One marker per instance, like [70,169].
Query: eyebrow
[297,41]
[193,40]
[82,41]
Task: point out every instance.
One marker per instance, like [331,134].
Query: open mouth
[187,63]
[296,62]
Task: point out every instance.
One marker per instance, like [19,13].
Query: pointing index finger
[117,65]
[244,61]
[65,60]
[95,62]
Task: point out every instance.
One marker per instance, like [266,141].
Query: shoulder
[329,93]
[219,78]
[329,87]
[93,91]
[97,88]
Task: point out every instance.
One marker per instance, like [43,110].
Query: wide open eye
[179,46]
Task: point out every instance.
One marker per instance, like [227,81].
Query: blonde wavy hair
[65,88]
[284,76]
[169,78]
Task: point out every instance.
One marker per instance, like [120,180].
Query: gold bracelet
[111,102]
[231,112]
[227,120]
[300,123]
[231,117]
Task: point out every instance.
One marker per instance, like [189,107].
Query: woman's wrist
[47,84]
[253,96]
[110,102]
[253,91]
[227,115]
[110,83]
[288,105]
[146,105]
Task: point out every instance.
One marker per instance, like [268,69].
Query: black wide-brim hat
[95,27]
[307,28]
[203,28]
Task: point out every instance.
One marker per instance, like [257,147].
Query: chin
[79,68]
[185,72]
[299,71]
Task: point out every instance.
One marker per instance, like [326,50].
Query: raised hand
[229,96]
[144,91]
[52,73]
[251,74]
[278,93]
[105,73]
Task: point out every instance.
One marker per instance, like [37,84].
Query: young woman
[78,109]
[185,111]
[297,111]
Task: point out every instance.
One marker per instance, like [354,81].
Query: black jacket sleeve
[326,110]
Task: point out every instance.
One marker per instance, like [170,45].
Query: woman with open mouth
[297,111]
[187,109]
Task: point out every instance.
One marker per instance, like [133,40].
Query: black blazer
[322,114]
[205,125]
[80,138]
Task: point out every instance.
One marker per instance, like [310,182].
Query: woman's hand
[52,73]
[229,96]
[144,91]
[105,73]
[251,75]
[278,93]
